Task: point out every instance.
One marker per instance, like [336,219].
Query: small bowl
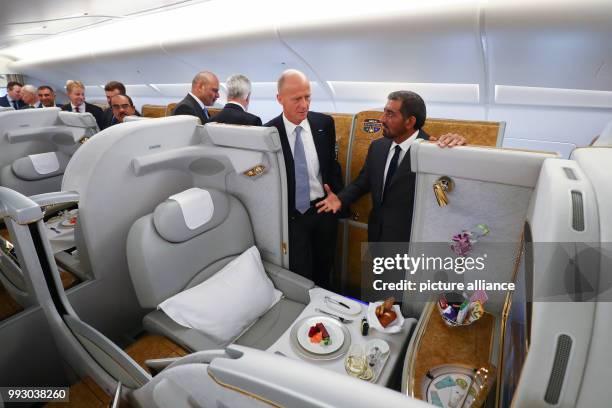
[458,298]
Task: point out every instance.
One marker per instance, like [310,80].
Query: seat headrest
[190,213]
[40,166]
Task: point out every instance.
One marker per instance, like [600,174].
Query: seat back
[36,145]
[166,255]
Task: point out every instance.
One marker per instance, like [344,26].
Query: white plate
[353,309]
[334,329]
[67,224]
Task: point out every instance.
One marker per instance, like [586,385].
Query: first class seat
[36,145]
[166,257]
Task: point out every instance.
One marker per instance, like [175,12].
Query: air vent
[557,375]
[570,173]
[577,211]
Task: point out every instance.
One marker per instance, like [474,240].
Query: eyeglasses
[124,106]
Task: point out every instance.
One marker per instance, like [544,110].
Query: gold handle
[442,186]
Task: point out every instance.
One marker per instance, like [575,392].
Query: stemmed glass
[355,362]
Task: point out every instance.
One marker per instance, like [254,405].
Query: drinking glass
[355,362]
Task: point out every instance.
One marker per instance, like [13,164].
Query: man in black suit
[111,89]
[308,141]
[204,92]
[238,97]
[46,96]
[76,94]
[13,96]
[386,173]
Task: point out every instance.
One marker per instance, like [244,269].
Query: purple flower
[462,244]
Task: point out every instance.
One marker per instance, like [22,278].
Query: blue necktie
[302,186]
[14,104]
[391,170]
[205,111]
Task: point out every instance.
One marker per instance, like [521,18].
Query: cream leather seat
[166,257]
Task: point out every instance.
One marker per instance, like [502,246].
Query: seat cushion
[261,335]
[271,325]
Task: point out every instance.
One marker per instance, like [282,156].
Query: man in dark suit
[76,94]
[386,173]
[308,141]
[122,107]
[238,97]
[46,96]
[111,89]
[204,92]
[13,96]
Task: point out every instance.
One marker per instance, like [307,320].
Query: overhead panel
[550,43]
[417,42]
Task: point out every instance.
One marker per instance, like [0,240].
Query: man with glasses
[122,106]
[386,173]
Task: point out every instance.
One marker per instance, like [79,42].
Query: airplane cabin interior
[148,262]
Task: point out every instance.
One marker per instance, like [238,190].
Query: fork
[342,319]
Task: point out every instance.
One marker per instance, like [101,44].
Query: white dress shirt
[404,146]
[81,107]
[198,101]
[312,160]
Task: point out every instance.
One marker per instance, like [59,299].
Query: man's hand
[449,140]
[331,203]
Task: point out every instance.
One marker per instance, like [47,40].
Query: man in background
[46,96]
[308,141]
[122,106]
[29,96]
[204,92]
[238,97]
[13,96]
[111,89]
[76,94]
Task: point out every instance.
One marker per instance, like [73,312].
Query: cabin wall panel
[554,44]
[566,125]
[417,44]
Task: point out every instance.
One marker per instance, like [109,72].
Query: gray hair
[238,87]
[30,89]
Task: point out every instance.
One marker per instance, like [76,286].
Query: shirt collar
[198,101]
[81,107]
[405,145]
[290,126]
[237,104]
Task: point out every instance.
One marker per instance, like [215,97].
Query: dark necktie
[14,104]
[205,112]
[76,109]
[391,170]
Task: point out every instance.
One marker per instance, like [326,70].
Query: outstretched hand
[331,203]
[449,140]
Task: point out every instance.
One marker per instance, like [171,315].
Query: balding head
[294,95]
[205,86]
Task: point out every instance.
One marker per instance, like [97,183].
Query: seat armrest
[294,286]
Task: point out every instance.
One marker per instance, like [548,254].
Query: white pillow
[228,302]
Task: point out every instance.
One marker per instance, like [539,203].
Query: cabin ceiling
[26,20]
